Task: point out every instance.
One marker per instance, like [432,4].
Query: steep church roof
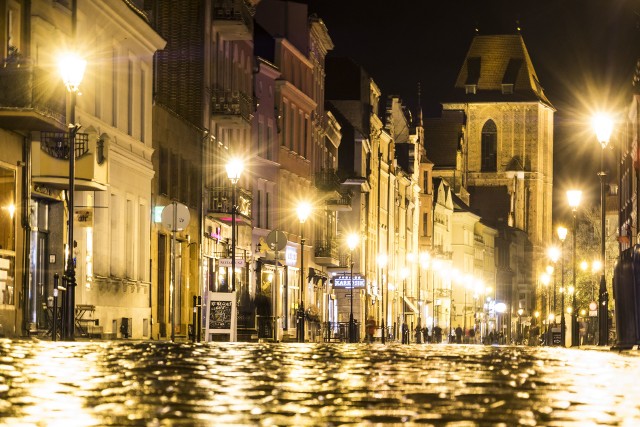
[498,68]
[442,138]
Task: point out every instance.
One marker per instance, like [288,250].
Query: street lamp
[574,197]
[304,210]
[603,126]
[520,311]
[405,331]
[382,262]
[71,68]
[234,170]
[545,279]
[423,265]
[352,241]
[562,235]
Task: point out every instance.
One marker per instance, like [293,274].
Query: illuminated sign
[344,282]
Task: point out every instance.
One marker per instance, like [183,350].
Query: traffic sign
[276,240]
[181,216]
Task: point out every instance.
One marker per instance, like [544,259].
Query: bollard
[54,328]
[199,319]
[194,319]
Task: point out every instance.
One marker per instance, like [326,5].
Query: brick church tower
[505,157]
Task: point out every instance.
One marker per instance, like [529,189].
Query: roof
[493,61]
[442,138]
[492,204]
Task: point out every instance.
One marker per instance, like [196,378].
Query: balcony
[233,19]
[326,253]
[30,98]
[327,180]
[232,108]
[218,204]
[50,161]
[343,203]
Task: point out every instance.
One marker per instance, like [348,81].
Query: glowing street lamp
[562,235]
[303,210]
[382,262]
[352,242]
[234,167]
[71,68]
[603,127]
[574,197]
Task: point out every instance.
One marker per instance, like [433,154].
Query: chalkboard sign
[556,336]
[220,314]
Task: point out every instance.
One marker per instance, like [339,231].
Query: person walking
[458,335]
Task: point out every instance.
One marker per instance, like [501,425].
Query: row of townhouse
[175,90]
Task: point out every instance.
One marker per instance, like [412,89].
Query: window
[258,213]
[130,98]
[489,147]
[143,94]
[8,215]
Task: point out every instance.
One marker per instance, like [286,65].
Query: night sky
[584,52]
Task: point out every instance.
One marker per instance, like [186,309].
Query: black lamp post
[603,127]
[382,262]
[574,197]
[234,170]
[71,69]
[352,242]
[562,235]
[304,209]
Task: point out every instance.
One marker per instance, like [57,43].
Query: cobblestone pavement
[166,384]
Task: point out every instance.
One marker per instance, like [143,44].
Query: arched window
[489,147]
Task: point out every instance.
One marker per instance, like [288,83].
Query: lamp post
[574,197]
[545,279]
[382,261]
[304,209]
[520,311]
[234,170]
[71,69]
[352,241]
[603,126]
[423,264]
[405,334]
[562,235]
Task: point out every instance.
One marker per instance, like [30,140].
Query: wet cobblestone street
[159,383]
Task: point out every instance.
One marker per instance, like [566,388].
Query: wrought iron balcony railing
[56,144]
[227,102]
[219,203]
[30,98]
[327,180]
[234,18]
[326,249]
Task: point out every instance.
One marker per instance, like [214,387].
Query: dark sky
[584,52]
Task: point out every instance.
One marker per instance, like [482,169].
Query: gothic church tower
[507,146]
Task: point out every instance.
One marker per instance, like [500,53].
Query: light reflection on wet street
[163,384]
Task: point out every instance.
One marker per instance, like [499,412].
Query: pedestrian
[437,334]
[371,328]
[418,334]
[425,334]
[472,335]
[405,333]
[459,335]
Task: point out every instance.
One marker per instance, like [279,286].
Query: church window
[489,147]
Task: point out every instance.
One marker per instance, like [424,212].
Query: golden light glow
[71,68]
[545,279]
[303,210]
[234,167]
[553,252]
[352,241]
[574,197]
[562,233]
[603,126]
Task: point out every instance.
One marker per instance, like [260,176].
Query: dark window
[174,181]
[162,280]
[489,147]
[258,213]
[266,210]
